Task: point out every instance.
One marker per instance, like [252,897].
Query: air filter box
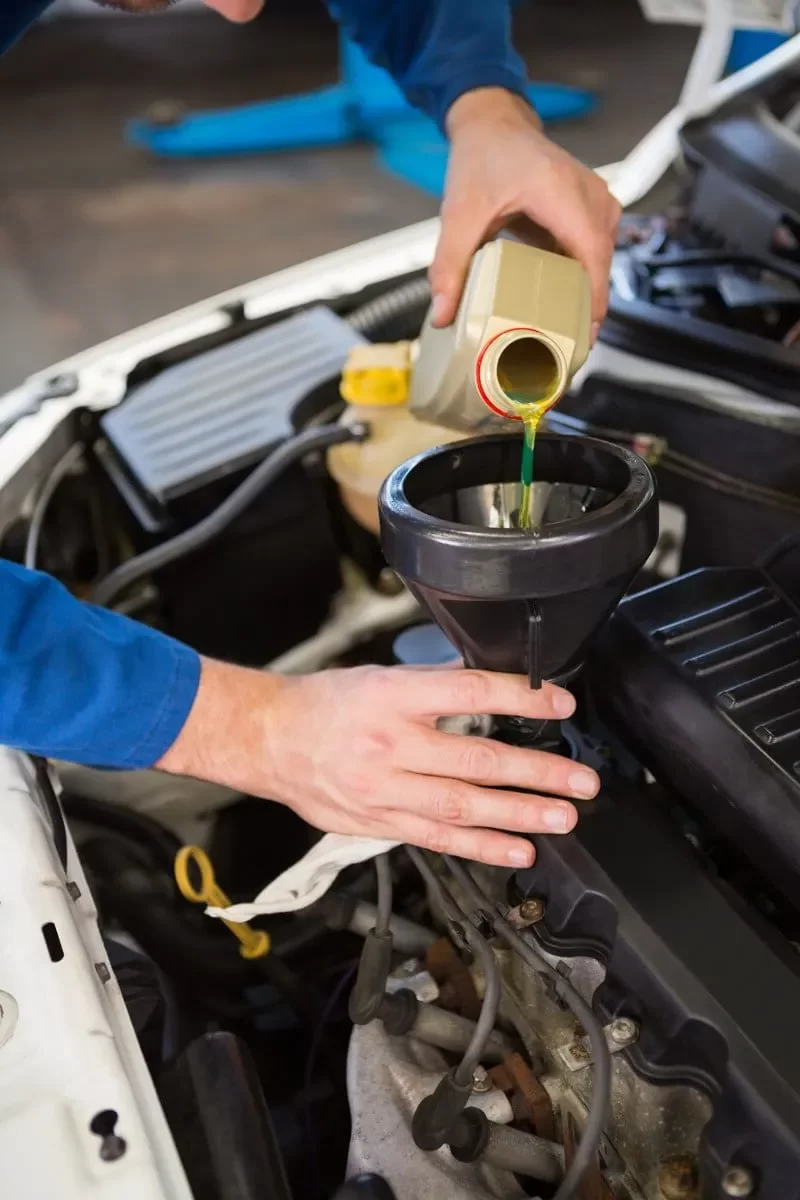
[700,677]
[181,442]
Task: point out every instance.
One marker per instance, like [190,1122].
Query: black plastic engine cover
[700,677]
[717,1001]
[729,521]
[746,191]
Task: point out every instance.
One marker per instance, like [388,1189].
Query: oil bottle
[375,386]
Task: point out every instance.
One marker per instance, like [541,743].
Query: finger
[460,237]
[453,802]
[478,845]
[492,764]
[594,249]
[584,227]
[467,692]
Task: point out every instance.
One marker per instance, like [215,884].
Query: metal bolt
[739,1182]
[623,1031]
[481,1081]
[531,911]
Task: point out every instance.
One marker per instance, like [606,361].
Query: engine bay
[616,1022]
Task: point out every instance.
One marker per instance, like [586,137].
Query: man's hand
[502,167]
[358,752]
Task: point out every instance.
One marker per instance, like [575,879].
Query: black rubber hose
[599,1106]
[403,300]
[265,474]
[383,917]
[51,485]
[124,821]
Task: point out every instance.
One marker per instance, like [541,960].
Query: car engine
[617,1022]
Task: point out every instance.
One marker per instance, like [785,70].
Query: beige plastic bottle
[522,330]
[375,384]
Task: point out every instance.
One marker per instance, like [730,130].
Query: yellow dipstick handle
[254,943]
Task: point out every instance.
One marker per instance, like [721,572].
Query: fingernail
[559,820]
[521,856]
[563,704]
[583,783]
[595,331]
[438,309]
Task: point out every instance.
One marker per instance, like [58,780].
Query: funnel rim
[640,488]
[474,561]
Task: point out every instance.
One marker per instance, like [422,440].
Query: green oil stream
[525,517]
[530,413]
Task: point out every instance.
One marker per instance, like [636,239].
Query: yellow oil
[531,414]
[528,375]
[530,424]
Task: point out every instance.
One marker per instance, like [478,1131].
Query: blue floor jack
[365,106]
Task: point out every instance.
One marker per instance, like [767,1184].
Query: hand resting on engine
[358,752]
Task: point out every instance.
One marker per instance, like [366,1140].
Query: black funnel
[508,599]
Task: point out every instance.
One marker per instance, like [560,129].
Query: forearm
[83,684]
[227,736]
[437,50]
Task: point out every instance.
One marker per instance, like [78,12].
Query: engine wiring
[599,1107]
[464,926]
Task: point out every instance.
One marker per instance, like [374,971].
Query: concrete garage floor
[96,239]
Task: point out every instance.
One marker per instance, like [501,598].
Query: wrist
[489,105]
[225,731]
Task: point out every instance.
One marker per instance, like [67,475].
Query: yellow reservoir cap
[377,376]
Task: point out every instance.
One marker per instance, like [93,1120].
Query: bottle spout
[522,372]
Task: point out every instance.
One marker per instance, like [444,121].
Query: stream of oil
[530,413]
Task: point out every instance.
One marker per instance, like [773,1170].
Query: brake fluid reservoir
[521,332]
[375,385]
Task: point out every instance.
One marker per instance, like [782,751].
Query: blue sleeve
[436,49]
[84,684]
